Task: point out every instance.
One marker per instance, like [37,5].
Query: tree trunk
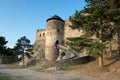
[110,49]
[100,58]
[101,54]
[119,43]
[101,41]
[100,61]
[23,59]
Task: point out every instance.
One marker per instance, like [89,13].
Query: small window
[43,34]
[40,35]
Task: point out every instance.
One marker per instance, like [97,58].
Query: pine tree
[22,46]
[3,42]
[113,15]
[94,20]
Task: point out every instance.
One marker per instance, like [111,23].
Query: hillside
[111,70]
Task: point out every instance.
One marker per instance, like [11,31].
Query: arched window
[56,43]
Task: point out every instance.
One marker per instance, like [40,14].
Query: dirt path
[26,74]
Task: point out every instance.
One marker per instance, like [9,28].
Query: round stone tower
[54,36]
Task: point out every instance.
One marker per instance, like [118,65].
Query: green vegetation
[52,69]
[10,55]
[7,55]
[6,77]
[2,77]
[23,47]
[99,18]
[41,70]
[92,47]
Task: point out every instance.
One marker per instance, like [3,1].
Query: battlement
[68,32]
[40,33]
[40,36]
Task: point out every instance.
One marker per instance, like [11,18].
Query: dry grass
[110,71]
[12,66]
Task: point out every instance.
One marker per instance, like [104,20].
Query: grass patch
[3,77]
[52,69]
[13,66]
[41,70]
[6,77]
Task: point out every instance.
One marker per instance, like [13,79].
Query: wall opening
[40,35]
[62,55]
[43,34]
[56,43]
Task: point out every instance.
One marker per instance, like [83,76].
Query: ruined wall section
[39,44]
[69,32]
[40,37]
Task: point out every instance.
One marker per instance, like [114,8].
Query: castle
[56,32]
[50,42]
[68,32]
[47,40]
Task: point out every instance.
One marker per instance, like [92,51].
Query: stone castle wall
[40,36]
[56,30]
[68,32]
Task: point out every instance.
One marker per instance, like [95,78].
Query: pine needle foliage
[92,47]
[100,18]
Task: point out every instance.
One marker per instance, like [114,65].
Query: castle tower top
[55,17]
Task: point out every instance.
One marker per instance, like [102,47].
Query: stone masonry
[57,31]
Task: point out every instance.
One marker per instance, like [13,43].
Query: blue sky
[23,17]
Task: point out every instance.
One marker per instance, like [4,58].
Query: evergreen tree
[3,42]
[10,56]
[113,15]
[94,20]
[22,45]
[7,55]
